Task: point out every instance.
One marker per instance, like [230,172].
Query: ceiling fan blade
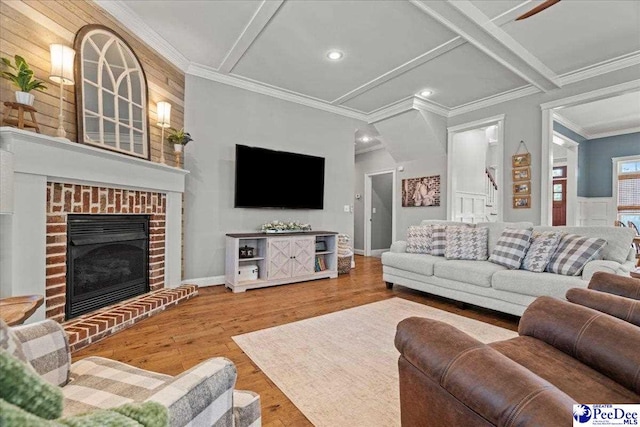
[539,8]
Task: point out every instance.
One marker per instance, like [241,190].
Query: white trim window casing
[626,189]
[114,95]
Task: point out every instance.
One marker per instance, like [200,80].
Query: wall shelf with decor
[280,258]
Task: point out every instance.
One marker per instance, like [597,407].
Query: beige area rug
[340,369]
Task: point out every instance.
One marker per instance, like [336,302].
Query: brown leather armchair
[612,294]
[565,354]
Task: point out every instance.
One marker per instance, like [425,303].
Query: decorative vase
[25,98]
[178,148]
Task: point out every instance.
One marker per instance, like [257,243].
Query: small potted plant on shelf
[23,79]
[284,227]
[179,138]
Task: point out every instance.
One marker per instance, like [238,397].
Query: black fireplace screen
[107,260]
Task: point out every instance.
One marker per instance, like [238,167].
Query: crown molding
[493,100]
[608,66]
[594,95]
[370,149]
[211,74]
[574,127]
[142,30]
[390,110]
[626,131]
[426,105]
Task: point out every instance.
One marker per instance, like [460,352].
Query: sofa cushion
[466,243]
[618,239]
[511,248]
[496,229]
[573,253]
[477,273]
[535,284]
[543,246]
[419,239]
[442,222]
[98,383]
[416,263]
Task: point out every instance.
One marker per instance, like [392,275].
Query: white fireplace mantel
[38,159]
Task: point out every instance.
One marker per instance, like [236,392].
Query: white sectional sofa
[492,286]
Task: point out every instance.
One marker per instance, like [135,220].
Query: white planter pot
[24,98]
[178,148]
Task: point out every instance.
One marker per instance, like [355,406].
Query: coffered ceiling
[469,54]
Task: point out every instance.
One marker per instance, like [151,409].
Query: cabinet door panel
[279,259]
[303,251]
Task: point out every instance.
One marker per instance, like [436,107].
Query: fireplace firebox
[107,260]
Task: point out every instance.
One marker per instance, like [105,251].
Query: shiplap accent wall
[27,28]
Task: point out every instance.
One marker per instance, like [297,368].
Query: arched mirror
[111,93]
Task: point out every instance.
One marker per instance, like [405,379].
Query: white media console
[281,258]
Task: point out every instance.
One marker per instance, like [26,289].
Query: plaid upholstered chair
[202,396]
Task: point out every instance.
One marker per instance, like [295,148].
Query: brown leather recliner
[564,354]
[612,294]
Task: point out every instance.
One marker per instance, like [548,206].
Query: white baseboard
[205,281]
[378,252]
[358,251]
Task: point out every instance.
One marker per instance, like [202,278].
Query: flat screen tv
[278,179]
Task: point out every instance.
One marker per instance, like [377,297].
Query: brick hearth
[63,199]
[89,328]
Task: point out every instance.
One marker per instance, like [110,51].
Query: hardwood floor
[203,327]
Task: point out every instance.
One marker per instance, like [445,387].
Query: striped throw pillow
[438,239]
[511,248]
[573,253]
[419,239]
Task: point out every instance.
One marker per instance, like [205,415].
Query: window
[112,111]
[628,188]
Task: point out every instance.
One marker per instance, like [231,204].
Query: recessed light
[366,139]
[335,55]
[426,93]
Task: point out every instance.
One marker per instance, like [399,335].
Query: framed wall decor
[521,202]
[520,160]
[111,93]
[424,191]
[521,174]
[522,188]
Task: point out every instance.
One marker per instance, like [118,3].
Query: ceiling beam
[266,11]
[415,62]
[511,14]
[465,19]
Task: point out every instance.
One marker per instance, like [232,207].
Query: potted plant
[23,79]
[179,138]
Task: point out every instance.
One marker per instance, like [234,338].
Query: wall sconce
[61,72]
[6,182]
[164,118]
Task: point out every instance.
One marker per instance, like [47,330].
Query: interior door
[280,260]
[559,195]
[303,252]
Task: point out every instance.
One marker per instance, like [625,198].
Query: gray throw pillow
[543,246]
[419,239]
[467,243]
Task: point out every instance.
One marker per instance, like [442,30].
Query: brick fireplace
[54,178]
[64,199]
